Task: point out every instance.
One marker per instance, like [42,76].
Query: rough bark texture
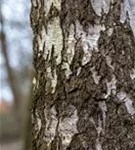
[84,86]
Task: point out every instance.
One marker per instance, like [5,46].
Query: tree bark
[83,93]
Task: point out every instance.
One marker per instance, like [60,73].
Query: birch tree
[84,84]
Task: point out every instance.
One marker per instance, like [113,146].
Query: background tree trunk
[15,88]
[84,57]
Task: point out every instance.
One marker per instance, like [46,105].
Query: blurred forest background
[15,71]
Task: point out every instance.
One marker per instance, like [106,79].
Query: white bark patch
[35,85]
[53,37]
[70,52]
[66,68]
[51,124]
[111,86]
[34,81]
[110,31]
[48,3]
[87,54]
[89,40]
[98,144]
[41,39]
[34,3]
[39,123]
[123,97]
[78,71]
[99,130]
[92,120]
[128,6]
[103,107]
[71,45]
[101,124]
[132,74]
[52,78]
[95,75]
[124,7]
[132,16]
[54,81]
[109,61]
[99,5]
[67,128]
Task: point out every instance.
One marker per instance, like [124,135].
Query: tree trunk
[84,86]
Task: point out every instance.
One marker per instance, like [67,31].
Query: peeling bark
[83,92]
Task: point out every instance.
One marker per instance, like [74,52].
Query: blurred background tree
[15,66]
